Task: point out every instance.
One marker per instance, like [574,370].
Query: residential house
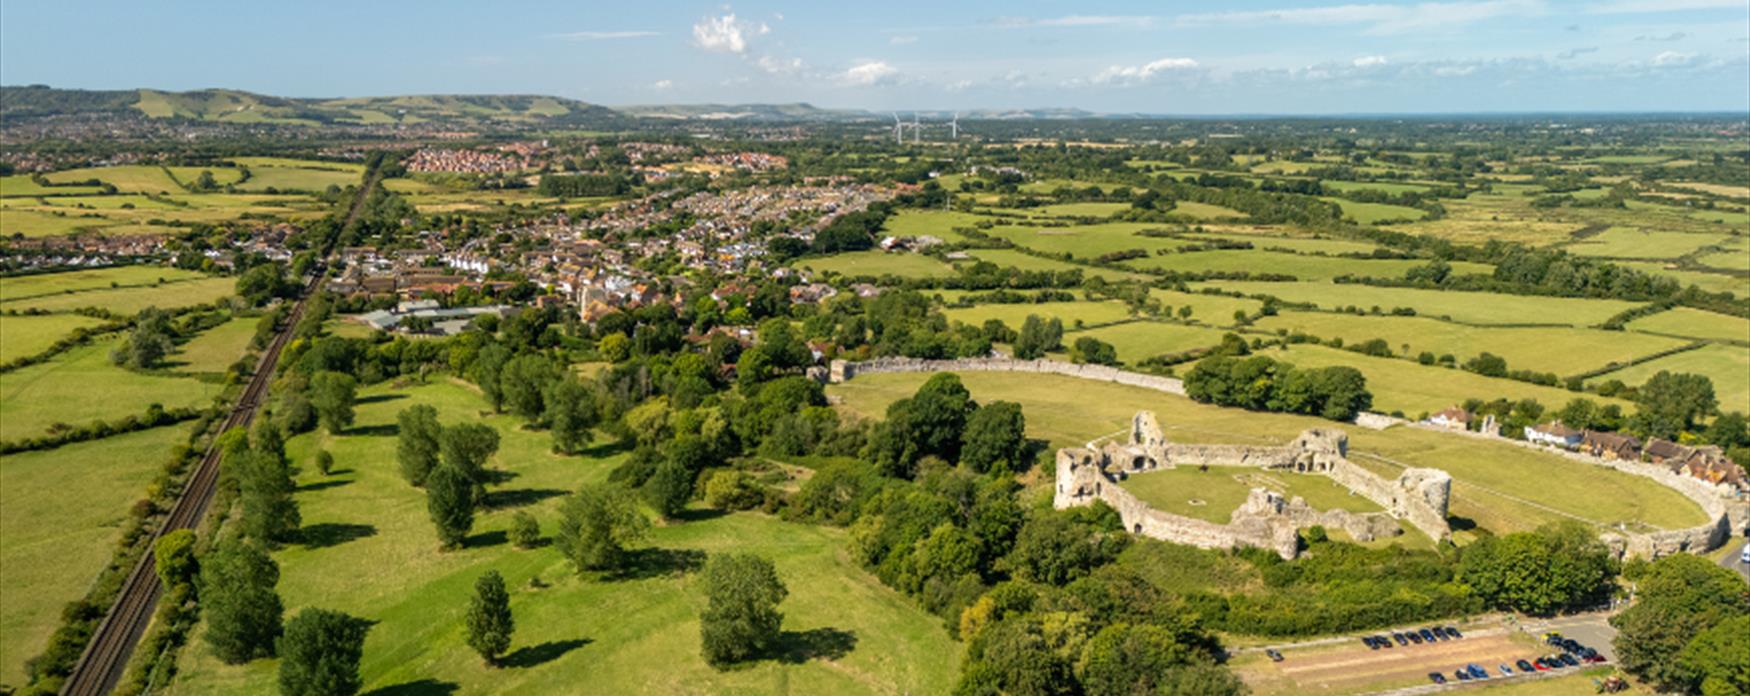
[1453,418]
[1611,445]
[1553,433]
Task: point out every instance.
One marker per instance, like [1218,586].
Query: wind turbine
[917,129]
[898,129]
[954,127]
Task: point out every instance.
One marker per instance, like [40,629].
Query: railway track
[105,658]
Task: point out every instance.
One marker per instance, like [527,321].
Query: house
[1453,418]
[1711,465]
[1610,445]
[1553,433]
[1660,451]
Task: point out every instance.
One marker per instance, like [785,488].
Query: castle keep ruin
[1266,520]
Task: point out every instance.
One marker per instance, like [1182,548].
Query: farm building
[1553,433]
[1453,418]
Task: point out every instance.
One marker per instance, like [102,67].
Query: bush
[525,531]
[733,490]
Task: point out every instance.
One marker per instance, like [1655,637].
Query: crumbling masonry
[1266,520]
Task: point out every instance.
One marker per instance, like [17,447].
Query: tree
[1055,548]
[269,512]
[996,439]
[930,423]
[523,383]
[485,370]
[1556,567]
[1682,597]
[1671,403]
[741,617]
[1130,659]
[669,488]
[239,603]
[449,498]
[596,525]
[1719,658]
[324,462]
[332,395]
[1090,350]
[466,447]
[418,442]
[489,621]
[319,654]
[174,560]
[262,283]
[733,489]
[525,531]
[571,413]
[149,342]
[1037,337]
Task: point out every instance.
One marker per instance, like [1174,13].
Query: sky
[1161,57]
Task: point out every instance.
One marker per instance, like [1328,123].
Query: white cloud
[1142,73]
[1454,70]
[726,34]
[1382,18]
[1668,58]
[867,73]
[662,85]
[778,66]
[1652,6]
[1369,61]
[602,35]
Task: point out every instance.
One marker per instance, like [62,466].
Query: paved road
[1733,560]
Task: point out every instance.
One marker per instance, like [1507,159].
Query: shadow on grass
[326,534]
[520,497]
[606,449]
[646,563]
[1460,524]
[423,687]
[796,647]
[383,430]
[324,485]
[485,539]
[699,514]
[498,477]
[536,655]
[377,398]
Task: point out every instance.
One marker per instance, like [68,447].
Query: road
[1734,559]
[105,659]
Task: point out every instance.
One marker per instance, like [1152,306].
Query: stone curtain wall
[841,370]
[1081,481]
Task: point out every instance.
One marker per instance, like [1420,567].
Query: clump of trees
[148,344]
[741,618]
[1555,568]
[1687,630]
[597,525]
[1038,337]
[320,652]
[241,607]
[1259,383]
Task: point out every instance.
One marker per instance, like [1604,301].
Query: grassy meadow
[1213,495]
[875,262]
[1139,340]
[131,300]
[1726,365]
[24,336]
[1010,258]
[81,385]
[1695,323]
[1014,315]
[1302,267]
[216,348]
[1468,307]
[1630,243]
[1402,385]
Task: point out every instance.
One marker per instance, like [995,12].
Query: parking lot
[1349,667]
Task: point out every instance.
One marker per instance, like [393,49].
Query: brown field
[1353,668]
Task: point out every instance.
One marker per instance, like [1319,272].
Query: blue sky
[1245,56]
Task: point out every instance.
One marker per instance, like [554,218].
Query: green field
[216,348]
[21,287]
[23,185]
[632,635]
[23,336]
[937,223]
[1370,213]
[1205,211]
[1015,314]
[1732,260]
[60,515]
[1695,323]
[1213,495]
[294,178]
[1086,242]
[81,385]
[1738,285]
[877,263]
[131,300]
[1296,244]
[1402,385]
[1096,210]
[1727,366]
[1564,351]
[1629,243]
[1066,412]
[1010,258]
[1341,186]
[1303,267]
[1470,307]
[1139,340]
[144,178]
[1207,309]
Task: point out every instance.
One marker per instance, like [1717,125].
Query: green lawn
[81,385]
[877,263]
[1469,307]
[1403,385]
[1564,351]
[1369,213]
[1015,314]
[22,336]
[1066,411]
[1383,186]
[1305,268]
[1727,365]
[1139,340]
[217,348]
[1010,258]
[1695,323]
[937,223]
[1087,242]
[131,300]
[633,635]
[1214,494]
[61,511]
[1630,243]
[21,287]
[296,179]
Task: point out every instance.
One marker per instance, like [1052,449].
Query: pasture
[1073,210]
[1087,242]
[375,555]
[23,335]
[45,284]
[145,178]
[1738,285]
[81,385]
[1630,243]
[1695,323]
[60,516]
[1402,385]
[1139,340]
[22,185]
[1501,487]
[1208,309]
[1303,245]
[1010,258]
[215,349]
[1469,307]
[1213,495]
[1300,266]
[297,175]
[936,223]
[1562,350]
[1374,213]
[1073,314]
[1728,366]
[127,300]
[1205,211]
[875,262]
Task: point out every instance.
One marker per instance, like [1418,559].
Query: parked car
[1437,677]
[1273,655]
[1552,638]
[1382,641]
[1368,641]
[1399,637]
[1453,632]
[1414,637]
[1427,635]
[1477,671]
[1438,632]
[1462,675]
[1568,660]
[1541,665]
[1525,666]
[1505,670]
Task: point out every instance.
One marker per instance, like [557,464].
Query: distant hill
[234,106]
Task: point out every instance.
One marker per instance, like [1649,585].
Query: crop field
[1695,323]
[1296,244]
[1734,260]
[297,175]
[1139,340]
[1088,209]
[1402,385]
[216,348]
[1009,258]
[1482,217]
[1564,351]
[1213,495]
[1205,211]
[1341,186]
[39,285]
[1208,309]
[875,262]
[844,631]
[1470,307]
[81,385]
[145,178]
[130,300]
[22,335]
[1072,314]
[1728,366]
[1628,243]
[60,513]
[1738,285]
[937,223]
[1300,266]
[22,185]
[1087,242]
[1371,213]
[1501,487]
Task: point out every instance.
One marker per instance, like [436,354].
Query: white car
[1744,556]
